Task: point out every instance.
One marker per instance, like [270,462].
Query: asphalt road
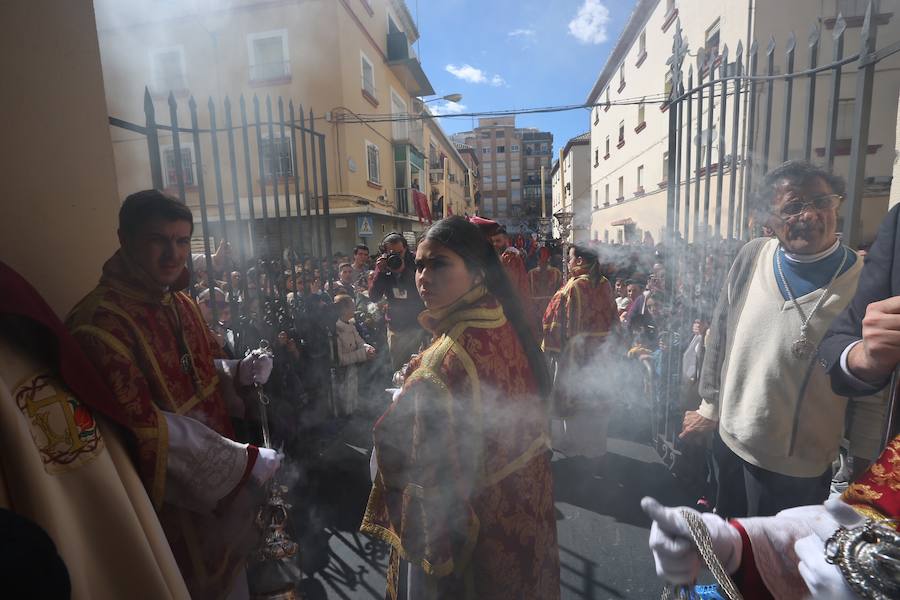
[602,531]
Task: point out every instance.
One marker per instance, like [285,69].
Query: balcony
[409,131]
[404,201]
[406,66]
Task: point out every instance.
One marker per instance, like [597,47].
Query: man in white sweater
[778,424]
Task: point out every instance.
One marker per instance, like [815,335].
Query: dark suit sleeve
[875,284]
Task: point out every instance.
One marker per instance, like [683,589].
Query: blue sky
[502,54]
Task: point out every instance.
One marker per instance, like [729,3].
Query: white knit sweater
[777,411]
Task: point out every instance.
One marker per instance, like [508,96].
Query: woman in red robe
[463,490]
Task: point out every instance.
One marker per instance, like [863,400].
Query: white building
[571,179]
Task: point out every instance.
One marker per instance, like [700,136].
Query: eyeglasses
[797,207]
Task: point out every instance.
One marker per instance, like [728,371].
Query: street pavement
[602,531]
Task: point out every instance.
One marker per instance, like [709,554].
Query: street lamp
[449,98]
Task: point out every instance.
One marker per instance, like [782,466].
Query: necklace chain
[804,325]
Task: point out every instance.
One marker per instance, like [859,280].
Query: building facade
[571,181]
[348,66]
[630,120]
[510,170]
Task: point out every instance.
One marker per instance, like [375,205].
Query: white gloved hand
[267,464]
[676,558]
[824,580]
[255,368]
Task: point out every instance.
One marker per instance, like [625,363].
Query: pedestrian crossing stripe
[364,226]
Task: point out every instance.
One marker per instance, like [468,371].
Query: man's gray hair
[798,172]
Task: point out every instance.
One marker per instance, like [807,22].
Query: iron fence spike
[866,30]
[739,51]
[791,43]
[211,105]
[227,103]
[771,47]
[171,100]
[840,26]
[814,33]
[192,104]
[754,47]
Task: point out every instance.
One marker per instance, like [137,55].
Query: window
[277,157]
[665,166]
[642,44]
[488,182]
[501,207]
[596,156]
[373,162]
[607,145]
[712,40]
[640,177]
[368,75]
[621,76]
[514,148]
[269,56]
[187,165]
[596,198]
[854,8]
[485,135]
[844,129]
[501,179]
[544,148]
[487,169]
[641,113]
[515,195]
[486,150]
[622,132]
[167,67]
[608,104]
[501,149]
[606,195]
[596,115]
[621,187]
[398,109]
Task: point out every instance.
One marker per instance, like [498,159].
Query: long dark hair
[466,239]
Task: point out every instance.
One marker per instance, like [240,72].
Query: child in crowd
[352,350]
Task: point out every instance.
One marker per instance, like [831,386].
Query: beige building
[571,180]
[510,159]
[348,66]
[629,125]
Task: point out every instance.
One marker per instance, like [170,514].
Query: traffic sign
[365,226]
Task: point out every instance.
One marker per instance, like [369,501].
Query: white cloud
[472,74]
[589,25]
[467,73]
[526,33]
[446,108]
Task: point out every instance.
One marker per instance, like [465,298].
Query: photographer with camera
[395,280]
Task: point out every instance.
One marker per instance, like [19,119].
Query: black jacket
[879,280]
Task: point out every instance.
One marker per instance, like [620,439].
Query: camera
[394,261]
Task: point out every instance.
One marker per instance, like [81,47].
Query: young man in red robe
[175,394]
[543,282]
[577,320]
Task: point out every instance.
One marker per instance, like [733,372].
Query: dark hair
[357,249]
[797,172]
[144,206]
[591,259]
[344,264]
[392,238]
[467,240]
[633,282]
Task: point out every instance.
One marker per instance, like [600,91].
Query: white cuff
[854,381]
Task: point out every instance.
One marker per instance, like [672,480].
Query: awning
[622,222]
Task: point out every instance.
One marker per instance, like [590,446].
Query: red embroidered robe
[580,315]
[542,284]
[135,336]
[464,488]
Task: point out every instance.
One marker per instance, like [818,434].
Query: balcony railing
[403,200]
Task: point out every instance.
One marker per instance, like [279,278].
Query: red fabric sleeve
[747,577]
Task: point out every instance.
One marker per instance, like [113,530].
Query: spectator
[778,424]
[360,266]
[344,284]
[395,280]
[351,351]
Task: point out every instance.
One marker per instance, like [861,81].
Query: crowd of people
[477,356]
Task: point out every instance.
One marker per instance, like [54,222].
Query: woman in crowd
[463,488]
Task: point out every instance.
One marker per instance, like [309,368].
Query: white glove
[267,464]
[676,558]
[255,368]
[823,580]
